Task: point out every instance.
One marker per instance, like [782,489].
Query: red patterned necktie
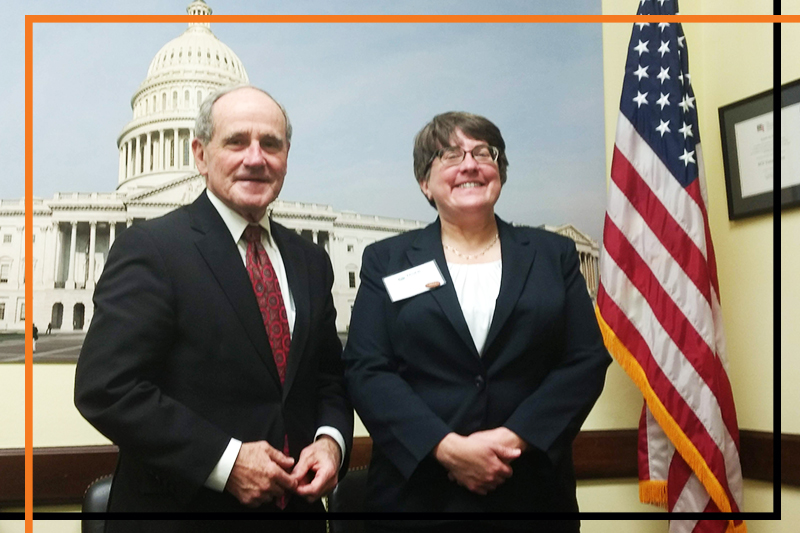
[273,311]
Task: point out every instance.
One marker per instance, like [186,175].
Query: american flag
[658,302]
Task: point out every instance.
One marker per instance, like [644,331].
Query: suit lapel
[518,255]
[427,247]
[223,259]
[297,276]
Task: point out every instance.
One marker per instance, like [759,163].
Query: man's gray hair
[204,124]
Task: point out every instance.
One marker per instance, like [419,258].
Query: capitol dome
[196,51]
[154,147]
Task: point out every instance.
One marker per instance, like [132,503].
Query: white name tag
[413,281]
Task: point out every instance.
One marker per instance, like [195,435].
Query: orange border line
[28,274]
[222,19]
[491,19]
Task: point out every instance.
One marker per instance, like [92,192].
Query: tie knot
[252,233]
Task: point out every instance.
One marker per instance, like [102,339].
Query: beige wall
[56,421]
[725,68]
[790,285]
[790,264]
[12,415]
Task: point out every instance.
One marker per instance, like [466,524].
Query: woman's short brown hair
[440,132]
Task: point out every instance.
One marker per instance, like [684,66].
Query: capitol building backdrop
[73,232]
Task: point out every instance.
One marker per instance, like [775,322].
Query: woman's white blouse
[477,287]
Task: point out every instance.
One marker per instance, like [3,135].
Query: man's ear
[199,151]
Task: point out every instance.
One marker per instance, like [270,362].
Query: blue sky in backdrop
[356,93]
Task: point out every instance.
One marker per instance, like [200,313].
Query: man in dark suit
[212,360]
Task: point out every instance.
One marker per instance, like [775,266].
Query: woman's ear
[423,186]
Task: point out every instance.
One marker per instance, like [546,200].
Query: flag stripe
[695,192]
[670,234]
[684,495]
[694,306]
[645,464]
[667,272]
[670,193]
[659,448]
[711,507]
[683,526]
[671,334]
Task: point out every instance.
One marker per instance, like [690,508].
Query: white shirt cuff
[336,435]
[219,476]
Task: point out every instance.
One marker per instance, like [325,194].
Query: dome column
[176,147]
[131,158]
[121,174]
[148,148]
[136,157]
[192,163]
[128,159]
[112,233]
[160,158]
[140,152]
[70,283]
[21,264]
[92,242]
[164,151]
[129,170]
[158,147]
[584,267]
[59,244]
[156,143]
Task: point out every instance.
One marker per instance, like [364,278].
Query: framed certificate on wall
[790,144]
[748,151]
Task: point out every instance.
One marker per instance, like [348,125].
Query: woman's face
[467,188]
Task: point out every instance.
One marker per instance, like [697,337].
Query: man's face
[245,161]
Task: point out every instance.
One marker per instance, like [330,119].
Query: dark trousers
[472,526]
[288,521]
[275,523]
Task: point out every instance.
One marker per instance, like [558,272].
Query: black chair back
[95,500]
[348,497]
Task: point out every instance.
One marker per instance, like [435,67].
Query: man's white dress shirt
[236,224]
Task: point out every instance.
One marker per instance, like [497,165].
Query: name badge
[413,281]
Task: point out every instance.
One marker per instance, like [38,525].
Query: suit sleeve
[398,420]
[550,418]
[123,360]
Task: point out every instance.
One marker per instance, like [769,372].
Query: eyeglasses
[454,155]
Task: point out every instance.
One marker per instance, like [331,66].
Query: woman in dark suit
[472,381]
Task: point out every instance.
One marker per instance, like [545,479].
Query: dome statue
[154,147]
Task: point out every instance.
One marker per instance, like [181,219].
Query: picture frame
[747,136]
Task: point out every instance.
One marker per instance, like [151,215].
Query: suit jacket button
[479,381]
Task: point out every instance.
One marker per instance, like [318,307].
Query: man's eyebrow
[273,139]
[239,135]
[234,136]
